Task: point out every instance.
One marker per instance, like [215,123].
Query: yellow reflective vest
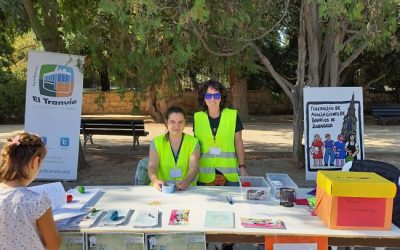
[167,160]
[225,159]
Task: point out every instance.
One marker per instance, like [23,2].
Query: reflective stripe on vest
[223,170]
[224,139]
[167,160]
[221,155]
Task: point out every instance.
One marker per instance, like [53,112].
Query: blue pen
[229,199]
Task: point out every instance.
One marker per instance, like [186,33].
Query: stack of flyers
[262,223]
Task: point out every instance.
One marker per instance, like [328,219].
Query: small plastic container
[277,181]
[168,188]
[254,187]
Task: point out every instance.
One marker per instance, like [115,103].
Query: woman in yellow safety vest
[174,156]
[219,131]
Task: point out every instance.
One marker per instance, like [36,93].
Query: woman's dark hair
[171,110]
[215,85]
[174,109]
[17,154]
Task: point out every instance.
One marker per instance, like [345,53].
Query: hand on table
[158,184]
[182,185]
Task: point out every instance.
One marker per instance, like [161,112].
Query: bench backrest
[386,110]
[136,125]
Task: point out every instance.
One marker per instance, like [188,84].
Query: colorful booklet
[262,223]
[220,219]
[179,217]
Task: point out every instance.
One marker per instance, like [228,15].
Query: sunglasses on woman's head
[216,96]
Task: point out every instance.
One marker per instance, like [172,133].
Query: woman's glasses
[216,96]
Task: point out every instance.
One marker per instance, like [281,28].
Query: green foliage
[12,101]
[100,100]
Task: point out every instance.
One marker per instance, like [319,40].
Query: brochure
[58,197]
[115,217]
[179,217]
[262,223]
[220,219]
[147,218]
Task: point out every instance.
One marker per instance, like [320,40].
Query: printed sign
[333,128]
[53,110]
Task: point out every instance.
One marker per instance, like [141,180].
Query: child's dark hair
[215,85]
[17,154]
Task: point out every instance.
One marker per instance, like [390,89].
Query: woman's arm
[193,170]
[153,168]
[48,231]
[239,147]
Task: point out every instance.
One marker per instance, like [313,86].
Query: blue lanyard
[176,157]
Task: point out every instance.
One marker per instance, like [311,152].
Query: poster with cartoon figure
[333,128]
[176,241]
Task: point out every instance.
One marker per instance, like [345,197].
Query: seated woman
[174,156]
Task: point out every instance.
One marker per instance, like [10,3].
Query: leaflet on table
[262,223]
[80,200]
[179,217]
[115,217]
[147,218]
[83,221]
[176,241]
[57,195]
[220,219]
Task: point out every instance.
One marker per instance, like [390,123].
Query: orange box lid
[355,184]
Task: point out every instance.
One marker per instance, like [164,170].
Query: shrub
[12,101]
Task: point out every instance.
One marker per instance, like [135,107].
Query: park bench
[90,127]
[386,112]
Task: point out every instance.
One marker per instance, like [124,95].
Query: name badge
[175,172]
[215,151]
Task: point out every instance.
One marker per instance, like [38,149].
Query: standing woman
[219,131]
[175,155]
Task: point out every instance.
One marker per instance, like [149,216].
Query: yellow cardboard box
[354,200]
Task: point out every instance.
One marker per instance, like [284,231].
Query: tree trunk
[48,32]
[312,30]
[104,79]
[150,107]
[239,94]
[82,162]
[297,100]
[298,127]
[163,93]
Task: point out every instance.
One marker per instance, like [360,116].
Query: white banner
[53,110]
[333,128]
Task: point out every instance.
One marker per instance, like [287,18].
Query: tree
[331,35]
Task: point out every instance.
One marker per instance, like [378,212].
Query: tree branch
[354,56]
[35,24]
[374,81]
[213,52]
[286,86]
[273,26]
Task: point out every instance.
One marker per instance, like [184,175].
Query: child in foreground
[26,218]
